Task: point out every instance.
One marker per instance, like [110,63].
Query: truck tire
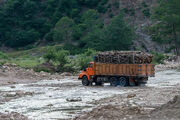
[113,81]
[123,81]
[85,81]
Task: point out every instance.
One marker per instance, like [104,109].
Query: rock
[50,105]
[10,95]
[19,93]
[131,95]
[13,86]
[66,74]
[29,93]
[11,82]
[73,99]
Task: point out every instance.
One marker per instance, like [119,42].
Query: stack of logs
[123,57]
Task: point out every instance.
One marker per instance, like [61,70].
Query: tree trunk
[175,40]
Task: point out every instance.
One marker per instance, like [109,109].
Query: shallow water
[49,102]
[165,79]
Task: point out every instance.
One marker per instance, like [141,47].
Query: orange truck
[117,74]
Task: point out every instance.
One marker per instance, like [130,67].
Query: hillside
[80,24]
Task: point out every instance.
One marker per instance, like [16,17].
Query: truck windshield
[90,65]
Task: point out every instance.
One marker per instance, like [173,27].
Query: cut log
[123,57]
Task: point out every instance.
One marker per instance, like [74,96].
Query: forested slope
[82,24]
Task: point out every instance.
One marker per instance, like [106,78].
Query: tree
[91,18]
[63,30]
[168,27]
[117,35]
[94,39]
[89,29]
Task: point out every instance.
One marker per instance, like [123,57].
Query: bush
[50,54]
[3,55]
[84,59]
[146,12]
[158,58]
[58,57]
[61,59]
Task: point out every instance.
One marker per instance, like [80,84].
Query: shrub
[61,59]
[146,12]
[3,55]
[158,58]
[50,54]
[84,59]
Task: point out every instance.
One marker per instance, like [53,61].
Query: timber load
[123,57]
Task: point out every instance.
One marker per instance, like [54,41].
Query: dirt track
[66,98]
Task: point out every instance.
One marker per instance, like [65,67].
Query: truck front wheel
[123,81]
[85,81]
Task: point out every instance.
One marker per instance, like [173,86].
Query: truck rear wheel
[123,81]
[85,81]
[113,81]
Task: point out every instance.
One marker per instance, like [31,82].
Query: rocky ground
[144,104]
[157,100]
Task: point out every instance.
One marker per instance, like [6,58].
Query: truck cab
[88,73]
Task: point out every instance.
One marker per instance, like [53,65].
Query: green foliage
[3,55]
[26,61]
[85,58]
[62,59]
[158,58]
[49,36]
[58,57]
[101,8]
[117,35]
[19,26]
[50,54]
[73,50]
[168,14]
[116,4]
[27,23]
[90,18]
[63,30]
[130,11]
[146,12]
[144,4]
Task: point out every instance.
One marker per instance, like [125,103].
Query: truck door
[90,69]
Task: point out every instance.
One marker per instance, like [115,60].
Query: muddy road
[66,98]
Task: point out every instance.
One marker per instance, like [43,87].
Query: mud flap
[131,82]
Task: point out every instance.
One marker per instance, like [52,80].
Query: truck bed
[141,70]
